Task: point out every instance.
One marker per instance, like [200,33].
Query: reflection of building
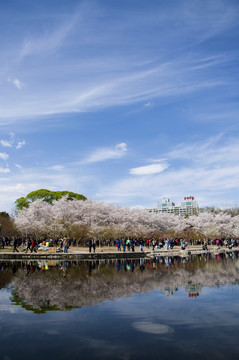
[188,206]
[170,290]
[193,290]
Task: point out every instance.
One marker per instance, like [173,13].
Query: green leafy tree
[46,195]
[7,227]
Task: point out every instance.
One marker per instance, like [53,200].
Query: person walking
[94,245]
[3,242]
[167,244]
[32,247]
[65,245]
[141,245]
[15,244]
[89,243]
[29,242]
[128,244]
[118,244]
[124,244]
[153,244]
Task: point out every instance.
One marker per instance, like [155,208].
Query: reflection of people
[153,243]
[64,268]
[118,265]
[141,264]
[89,268]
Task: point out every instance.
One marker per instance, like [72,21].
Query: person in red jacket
[33,244]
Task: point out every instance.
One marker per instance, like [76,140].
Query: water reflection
[41,286]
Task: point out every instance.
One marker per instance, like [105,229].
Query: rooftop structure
[189,206]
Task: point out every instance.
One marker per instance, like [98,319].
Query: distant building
[189,206]
[193,290]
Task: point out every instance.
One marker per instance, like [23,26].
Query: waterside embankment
[109,253]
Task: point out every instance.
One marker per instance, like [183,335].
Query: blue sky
[122,101]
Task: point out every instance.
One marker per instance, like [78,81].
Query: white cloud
[4,170]
[208,170]
[56,167]
[4,156]
[6,143]
[18,83]
[20,144]
[18,166]
[103,154]
[148,104]
[149,169]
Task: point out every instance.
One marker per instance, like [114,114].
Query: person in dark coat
[89,243]
[15,244]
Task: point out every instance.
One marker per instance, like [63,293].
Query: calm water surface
[160,308]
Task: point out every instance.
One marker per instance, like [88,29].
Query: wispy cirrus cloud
[49,41]
[106,153]
[90,82]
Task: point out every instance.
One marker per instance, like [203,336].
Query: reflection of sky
[217,306]
[128,328]
[139,326]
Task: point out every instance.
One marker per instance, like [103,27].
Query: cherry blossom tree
[81,219]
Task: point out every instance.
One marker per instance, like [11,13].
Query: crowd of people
[122,244]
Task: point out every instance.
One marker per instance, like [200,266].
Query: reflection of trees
[75,285]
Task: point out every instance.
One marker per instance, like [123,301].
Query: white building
[189,206]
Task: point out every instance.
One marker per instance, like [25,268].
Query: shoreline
[112,253]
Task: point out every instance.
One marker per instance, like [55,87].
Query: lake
[159,308]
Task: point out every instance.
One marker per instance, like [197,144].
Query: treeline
[54,214]
[92,219]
